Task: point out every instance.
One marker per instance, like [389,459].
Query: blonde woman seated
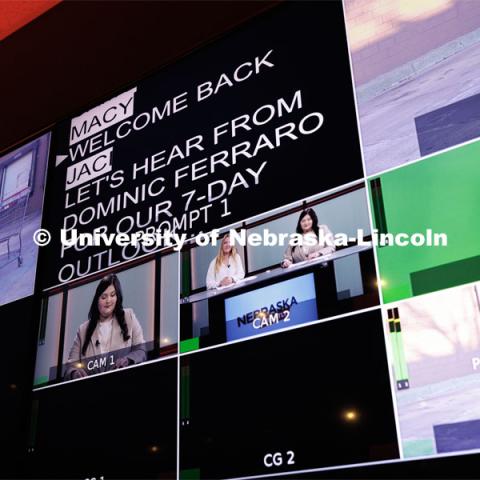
[226,268]
[308,226]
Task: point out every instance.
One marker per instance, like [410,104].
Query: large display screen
[203,144]
[252,269]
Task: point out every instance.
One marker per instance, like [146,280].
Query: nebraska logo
[267,316]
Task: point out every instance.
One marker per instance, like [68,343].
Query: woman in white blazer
[109,328]
[226,268]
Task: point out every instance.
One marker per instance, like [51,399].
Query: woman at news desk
[308,227]
[226,268]
[109,328]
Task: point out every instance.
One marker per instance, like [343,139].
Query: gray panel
[47,353]
[200,318]
[266,256]
[346,213]
[169,299]
[348,276]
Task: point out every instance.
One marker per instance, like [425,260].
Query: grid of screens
[223,359]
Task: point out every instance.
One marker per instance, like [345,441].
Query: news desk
[277,272]
[203,314]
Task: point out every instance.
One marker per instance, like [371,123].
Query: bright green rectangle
[190,345]
[401,358]
[441,193]
[396,358]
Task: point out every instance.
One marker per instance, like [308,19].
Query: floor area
[18,282]
[387,122]
[450,401]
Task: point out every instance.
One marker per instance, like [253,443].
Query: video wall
[223,285]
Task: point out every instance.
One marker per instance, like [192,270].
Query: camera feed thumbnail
[434,201]
[314,397]
[22,185]
[435,344]
[120,320]
[235,290]
[415,66]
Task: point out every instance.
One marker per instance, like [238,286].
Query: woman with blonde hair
[226,268]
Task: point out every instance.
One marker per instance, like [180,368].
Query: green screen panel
[190,474]
[441,193]
[445,276]
[190,345]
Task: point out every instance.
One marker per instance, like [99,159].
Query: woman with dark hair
[318,240]
[109,328]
